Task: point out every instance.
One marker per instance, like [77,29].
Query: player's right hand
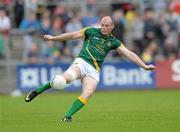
[150,67]
[48,37]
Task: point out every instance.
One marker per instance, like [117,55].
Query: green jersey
[96,46]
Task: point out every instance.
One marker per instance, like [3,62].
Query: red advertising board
[168,74]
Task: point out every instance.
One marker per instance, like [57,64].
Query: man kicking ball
[97,43]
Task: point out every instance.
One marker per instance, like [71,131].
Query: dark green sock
[43,88]
[77,105]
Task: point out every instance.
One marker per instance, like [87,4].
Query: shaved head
[107,25]
[108,19]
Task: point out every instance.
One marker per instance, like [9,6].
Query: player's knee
[70,76]
[67,78]
[58,82]
[87,94]
[90,93]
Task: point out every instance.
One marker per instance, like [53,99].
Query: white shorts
[86,69]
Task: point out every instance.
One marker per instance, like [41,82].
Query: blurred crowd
[154,33]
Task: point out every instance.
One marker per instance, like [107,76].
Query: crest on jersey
[109,44]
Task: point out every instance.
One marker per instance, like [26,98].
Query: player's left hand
[150,67]
[48,37]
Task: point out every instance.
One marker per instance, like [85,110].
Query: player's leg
[70,75]
[31,95]
[89,86]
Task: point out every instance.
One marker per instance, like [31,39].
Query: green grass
[118,111]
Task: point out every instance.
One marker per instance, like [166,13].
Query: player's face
[106,27]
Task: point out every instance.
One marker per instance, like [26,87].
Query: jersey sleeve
[117,44]
[84,31]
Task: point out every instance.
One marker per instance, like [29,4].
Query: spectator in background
[89,19]
[159,6]
[51,54]
[57,25]
[119,24]
[5,26]
[67,55]
[62,13]
[7,2]
[173,20]
[178,37]
[101,14]
[5,22]
[178,54]
[57,28]
[40,11]
[149,26]
[169,49]
[149,52]
[162,29]
[46,14]
[1,47]
[119,27]
[91,5]
[73,25]
[56,57]
[30,27]
[46,26]
[33,55]
[129,16]
[136,31]
[19,12]
[175,6]
[76,50]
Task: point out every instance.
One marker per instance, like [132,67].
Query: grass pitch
[117,111]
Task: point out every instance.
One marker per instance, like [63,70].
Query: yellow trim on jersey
[83,100]
[83,31]
[122,45]
[94,60]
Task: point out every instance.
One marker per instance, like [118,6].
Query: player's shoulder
[114,39]
[92,30]
[115,42]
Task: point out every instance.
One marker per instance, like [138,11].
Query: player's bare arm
[64,36]
[134,58]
